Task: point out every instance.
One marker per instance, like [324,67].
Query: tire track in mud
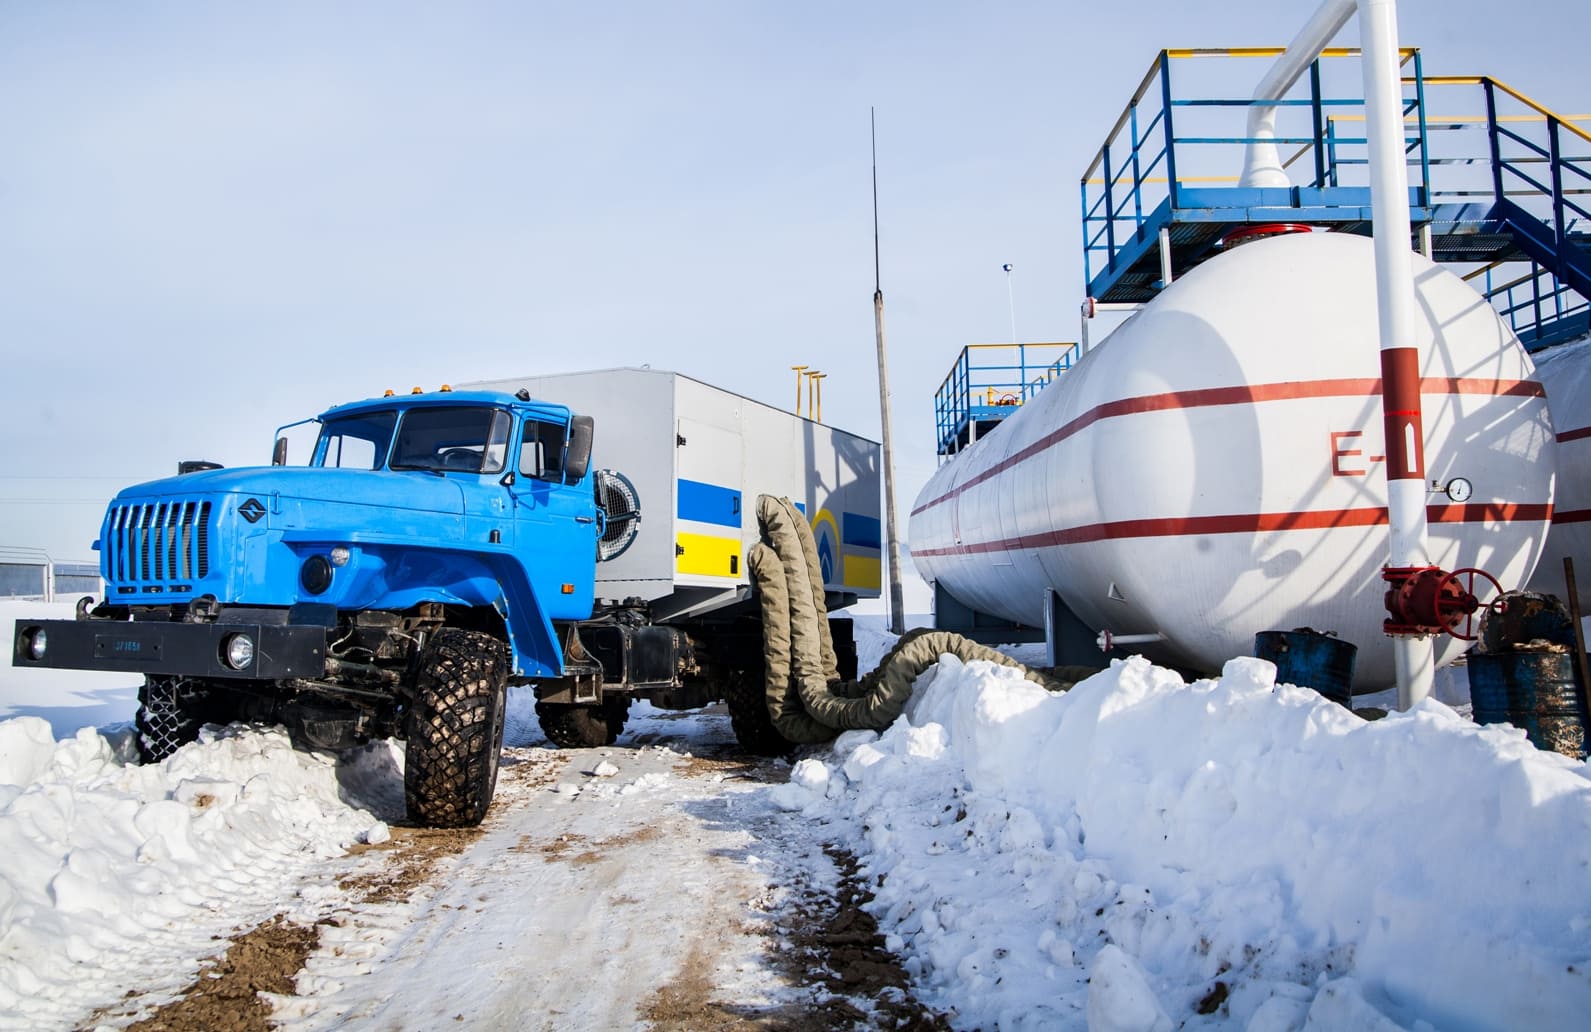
[242,989]
[819,961]
[816,933]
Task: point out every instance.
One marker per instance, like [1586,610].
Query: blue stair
[1565,256]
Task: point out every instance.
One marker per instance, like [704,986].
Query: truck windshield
[463,439]
[355,442]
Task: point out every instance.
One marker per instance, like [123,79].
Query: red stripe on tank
[1571,516]
[1249,523]
[1574,435]
[1246,394]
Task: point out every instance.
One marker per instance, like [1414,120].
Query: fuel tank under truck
[1214,468]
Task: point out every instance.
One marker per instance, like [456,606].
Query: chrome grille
[158,542]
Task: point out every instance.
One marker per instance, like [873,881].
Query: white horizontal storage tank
[1565,371]
[1214,468]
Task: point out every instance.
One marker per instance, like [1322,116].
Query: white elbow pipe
[1262,163]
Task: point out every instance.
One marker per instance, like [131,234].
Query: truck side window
[497,442]
[541,450]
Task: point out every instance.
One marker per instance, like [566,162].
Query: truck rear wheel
[615,711]
[575,727]
[454,729]
[747,702]
[171,710]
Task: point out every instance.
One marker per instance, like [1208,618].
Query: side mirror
[279,453]
[581,431]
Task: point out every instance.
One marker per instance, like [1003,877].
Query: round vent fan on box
[622,508]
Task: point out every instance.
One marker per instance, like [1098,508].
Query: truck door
[555,521]
[487,515]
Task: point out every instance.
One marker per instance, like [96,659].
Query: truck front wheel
[454,729]
[170,712]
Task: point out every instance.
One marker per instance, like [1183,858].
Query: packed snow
[1138,853]
[1170,837]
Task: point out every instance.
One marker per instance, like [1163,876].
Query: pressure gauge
[1459,489]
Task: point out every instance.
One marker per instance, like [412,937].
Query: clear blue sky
[218,218]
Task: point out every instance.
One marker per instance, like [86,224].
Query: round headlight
[340,555]
[38,641]
[315,574]
[238,651]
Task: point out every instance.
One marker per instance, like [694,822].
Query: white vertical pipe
[1262,164]
[1405,444]
[1165,256]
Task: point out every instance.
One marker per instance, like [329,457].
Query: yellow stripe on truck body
[708,555]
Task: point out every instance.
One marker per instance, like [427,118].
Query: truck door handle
[585,519]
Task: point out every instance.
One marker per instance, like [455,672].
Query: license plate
[128,649]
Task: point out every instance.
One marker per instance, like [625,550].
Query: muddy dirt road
[653,883]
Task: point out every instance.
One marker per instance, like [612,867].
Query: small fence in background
[31,573]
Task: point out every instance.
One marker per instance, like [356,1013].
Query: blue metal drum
[1311,660]
[1534,691]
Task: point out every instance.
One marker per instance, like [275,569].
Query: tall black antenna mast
[872,121]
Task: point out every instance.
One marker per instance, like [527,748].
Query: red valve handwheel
[1464,581]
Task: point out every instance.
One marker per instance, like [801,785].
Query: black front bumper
[185,649]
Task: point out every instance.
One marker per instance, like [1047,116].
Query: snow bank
[119,875]
[1141,850]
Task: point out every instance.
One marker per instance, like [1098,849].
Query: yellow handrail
[1481,80]
[1437,121]
[1099,181]
[1033,344]
[1406,52]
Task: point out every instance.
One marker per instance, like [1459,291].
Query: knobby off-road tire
[747,702]
[576,727]
[171,710]
[454,729]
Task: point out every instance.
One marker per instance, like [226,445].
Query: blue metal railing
[989,382]
[1537,167]
[1539,307]
[1152,158]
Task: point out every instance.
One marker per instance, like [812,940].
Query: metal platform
[1499,185]
[990,382]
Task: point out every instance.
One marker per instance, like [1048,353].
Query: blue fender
[395,573]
